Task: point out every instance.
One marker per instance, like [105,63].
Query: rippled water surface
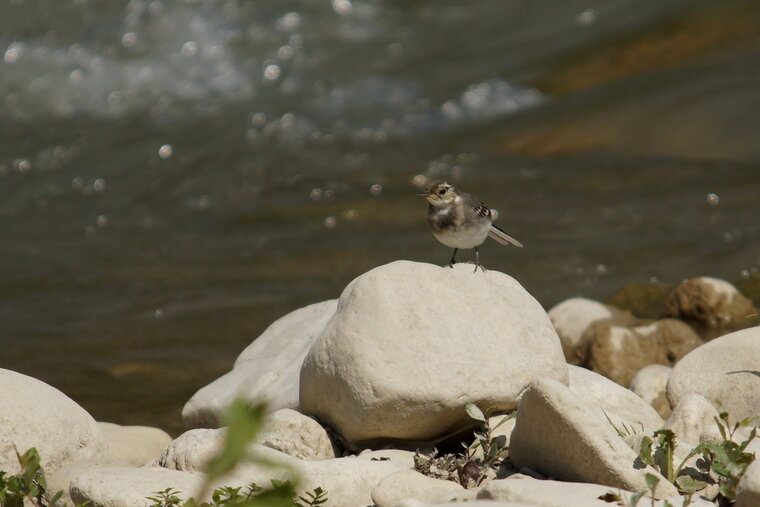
[174,175]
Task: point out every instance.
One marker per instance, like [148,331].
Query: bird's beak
[424,194]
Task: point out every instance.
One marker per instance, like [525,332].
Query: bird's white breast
[469,237]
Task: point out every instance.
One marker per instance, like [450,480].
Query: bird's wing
[502,237]
[482,210]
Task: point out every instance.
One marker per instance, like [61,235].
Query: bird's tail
[502,237]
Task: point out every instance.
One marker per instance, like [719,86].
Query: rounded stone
[412,343]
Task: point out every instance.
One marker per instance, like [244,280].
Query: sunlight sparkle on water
[272,72]
[165,151]
[342,6]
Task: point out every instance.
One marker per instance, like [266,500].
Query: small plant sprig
[470,468]
[493,447]
[652,482]
[29,487]
[317,497]
[727,459]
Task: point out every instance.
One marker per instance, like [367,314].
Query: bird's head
[440,194]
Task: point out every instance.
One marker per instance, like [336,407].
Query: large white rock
[266,370]
[284,430]
[295,434]
[34,414]
[134,445]
[349,481]
[119,486]
[573,316]
[649,383]
[726,369]
[610,400]
[412,343]
[693,421]
[410,484]
[192,450]
[547,493]
[559,435]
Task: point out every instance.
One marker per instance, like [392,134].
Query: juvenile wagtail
[460,221]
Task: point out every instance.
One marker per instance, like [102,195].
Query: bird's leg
[453,258]
[477,262]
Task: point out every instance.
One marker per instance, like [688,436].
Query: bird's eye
[442,191]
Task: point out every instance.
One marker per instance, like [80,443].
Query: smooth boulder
[410,484]
[619,352]
[267,370]
[713,305]
[412,343]
[134,445]
[119,486]
[34,414]
[612,402]
[649,384]
[726,369]
[573,316]
[284,430]
[559,435]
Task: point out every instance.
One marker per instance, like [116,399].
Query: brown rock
[713,306]
[618,352]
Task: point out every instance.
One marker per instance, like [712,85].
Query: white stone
[60,479]
[559,435]
[649,384]
[192,450]
[693,421]
[410,484]
[296,435]
[118,486]
[267,370]
[284,430]
[34,414]
[748,489]
[548,493]
[349,481]
[412,343]
[726,369]
[610,400]
[410,502]
[572,317]
[405,459]
[134,445]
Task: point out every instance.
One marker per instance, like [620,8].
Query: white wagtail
[460,221]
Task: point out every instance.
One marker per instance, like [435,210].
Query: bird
[461,221]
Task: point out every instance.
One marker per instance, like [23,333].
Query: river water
[174,175]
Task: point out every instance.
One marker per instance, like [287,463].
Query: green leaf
[635,498]
[474,412]
[720,427]
[688,485]
[243,423]
[506,418]
[652,482]
[645,452]
[728,490]
[750,438]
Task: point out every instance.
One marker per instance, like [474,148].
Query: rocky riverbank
[401,362]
